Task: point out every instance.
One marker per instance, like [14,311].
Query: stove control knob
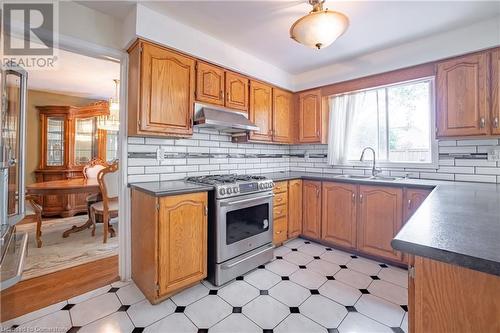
[222,191]
[236,189]
[229,190]
[261,186]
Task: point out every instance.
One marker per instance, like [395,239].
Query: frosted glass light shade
[319,29]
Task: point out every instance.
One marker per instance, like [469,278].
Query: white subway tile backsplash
[219,145]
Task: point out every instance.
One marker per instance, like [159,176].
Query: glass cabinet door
[111,145]
[55,141]
[85,140]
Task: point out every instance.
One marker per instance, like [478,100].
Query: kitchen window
[395,120]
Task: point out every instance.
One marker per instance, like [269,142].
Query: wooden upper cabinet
[236,91]
[310,116]
[160,91]
[261,109]
[311,206]
[380,218]
[338,221]
[463,96]
[209,83]
[282,115]
[294,208]
[182,241]
[495,92]
[413,199]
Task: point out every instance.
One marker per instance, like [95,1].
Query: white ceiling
[77,75]
[261,28]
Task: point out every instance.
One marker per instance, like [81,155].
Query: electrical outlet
[160,154]
[494,154]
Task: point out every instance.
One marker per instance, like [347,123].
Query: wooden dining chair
[108,179]
[35,210]
[90,171]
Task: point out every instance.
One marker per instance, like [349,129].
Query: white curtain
[342,117]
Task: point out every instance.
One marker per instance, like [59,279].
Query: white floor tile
[381,310]
[313,249]
[118,322]
[389,291]
[297,323]
[266,312]
[59,320]
[364,266]
[289,293]
[175,323]
[208,311]
[353,278]
[394,275]
[210,286]
[190,295]
[89,295]
[33,315]
[130,294]
[336,257]
[340,292]
[281,251]
[94,308]
[323,311]
[295,243]
[238,293]
[144,313]
[358,323]
[236,322]
[323,267]
[308,278]
[404,324]
[282,267]
[119,284]
[298,258]
[262,279]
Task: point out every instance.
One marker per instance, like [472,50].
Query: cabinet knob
[482,122]
[317,133]
[495,122]
[227,95]
[317,192]
[361,198]
[409,203]
[353,197]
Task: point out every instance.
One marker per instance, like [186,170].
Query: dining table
[66,186]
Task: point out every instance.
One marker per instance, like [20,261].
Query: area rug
[58,253]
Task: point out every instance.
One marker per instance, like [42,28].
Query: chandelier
[111,122]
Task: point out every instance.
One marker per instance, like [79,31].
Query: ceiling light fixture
[111,122]
[320,28]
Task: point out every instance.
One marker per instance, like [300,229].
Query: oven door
[243,224]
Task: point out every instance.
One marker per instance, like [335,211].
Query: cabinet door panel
[294,208]
[381,215]
[209,84]
[282,112]
[310,116]
[311,218]
[462,96]
[182,235]
[495,92]
[413,199]
[168,81]
[261,104]
[236,91]
[339,214]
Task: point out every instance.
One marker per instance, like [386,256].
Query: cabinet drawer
[280,230]
[280,187]
[279,211]
[280,198]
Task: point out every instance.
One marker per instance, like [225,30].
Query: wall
[33,124]
[459,160]
[209,152]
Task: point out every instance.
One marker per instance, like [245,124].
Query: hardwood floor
[33,294]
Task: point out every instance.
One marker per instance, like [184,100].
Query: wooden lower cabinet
[311,208]
[413,199]
[169,242]
[294,208]
[380,218]
[280,212]
[280,230]
[446,298]
[338,220]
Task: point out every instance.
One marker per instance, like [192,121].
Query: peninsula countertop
[458,223]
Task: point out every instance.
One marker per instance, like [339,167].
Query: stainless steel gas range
[240,226]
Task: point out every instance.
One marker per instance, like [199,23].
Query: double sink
[365,177]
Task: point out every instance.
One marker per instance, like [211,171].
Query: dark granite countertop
[459,223]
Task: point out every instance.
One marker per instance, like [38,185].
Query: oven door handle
[231,265]
[237,202]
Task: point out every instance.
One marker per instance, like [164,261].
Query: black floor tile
[314,291]
[75,329]
[264,292]
[364,291]
[332,330]
[329,277]
[237,309]
[404,307]
[328,249]
[267,330]
[302,267]
[113,290]
[306,242]
[294,250]
[397,330]
[202,330]
[294,309]
[354,257]
[343,266]
[374,277]
[239,278]
[124,308]
[213,292]
[351,308]
[316,257]
[285,278]
[383,265]
[261,267]
[68,306]
[180,309]
[279,257]
[138,330]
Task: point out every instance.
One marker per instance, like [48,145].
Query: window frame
[433,164]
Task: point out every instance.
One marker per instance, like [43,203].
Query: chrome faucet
[375,171]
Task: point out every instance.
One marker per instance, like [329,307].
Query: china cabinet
[69,140]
